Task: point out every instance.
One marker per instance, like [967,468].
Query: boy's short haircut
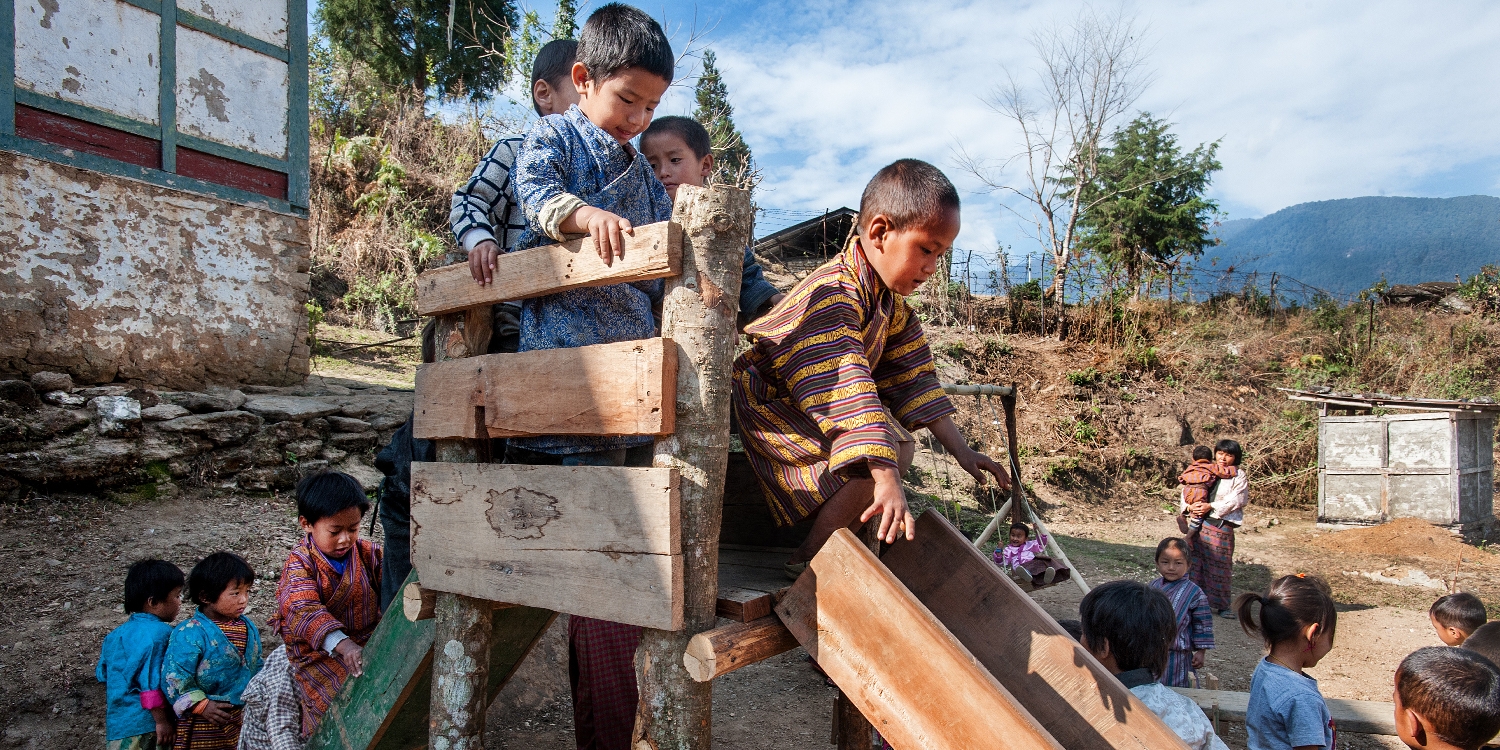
[1462,610]
[150,580]
[1203,453]
[908,192]
[554,64]
[1232,448]
[329,493]
[618,36]
[1455,690]
[1485,641]
[1172,542]
[1018,525]
[214,573]
[1135,620]
[689,130]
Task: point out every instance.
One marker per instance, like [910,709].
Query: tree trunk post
[698,314]
[462,630]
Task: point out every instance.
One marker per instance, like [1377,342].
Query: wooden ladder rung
[653,251]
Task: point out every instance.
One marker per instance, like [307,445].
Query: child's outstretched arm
[890,504]
[972,461]
[304,617]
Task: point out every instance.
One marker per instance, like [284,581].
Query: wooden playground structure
[926,640]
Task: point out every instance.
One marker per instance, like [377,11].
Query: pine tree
[565,26]
[733,163]
[407,44]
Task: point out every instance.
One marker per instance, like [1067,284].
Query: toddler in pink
[1023,558]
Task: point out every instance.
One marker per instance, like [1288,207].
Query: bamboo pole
[463,629]
[994,526]
[698,314]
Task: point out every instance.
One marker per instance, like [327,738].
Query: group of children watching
[203,685]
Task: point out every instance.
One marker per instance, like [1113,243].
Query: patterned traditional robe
[209,660]
[1195,627]
[312,601]
[812,393]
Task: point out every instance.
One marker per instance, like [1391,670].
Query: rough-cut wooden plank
[418,603]
[482,510]
[626,388]
[1057,680]
[743,605]
[720,651]
[1359,717]
[904,671]
[749,579]
[654,251]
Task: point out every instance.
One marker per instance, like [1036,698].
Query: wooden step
[626,388]
[750,580]
[1359,717]
[653,251]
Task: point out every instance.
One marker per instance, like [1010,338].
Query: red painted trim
[231,173]
[68,132]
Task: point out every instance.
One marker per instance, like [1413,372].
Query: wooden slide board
[626,388]
[918,686]
[1056,679]
[597,541]
[654,251]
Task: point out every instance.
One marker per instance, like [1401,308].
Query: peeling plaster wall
[111,279]
[100,53]
[262,19]
[230,94]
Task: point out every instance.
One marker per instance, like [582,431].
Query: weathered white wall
[230,94]
[262,19]
[102,53]
[112,279]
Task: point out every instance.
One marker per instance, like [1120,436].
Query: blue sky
[1312,101]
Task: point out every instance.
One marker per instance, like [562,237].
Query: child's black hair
[214,573]
[1456,691]
[1172,541]
[1485,641]
[554,64]
[1074,628]
[1018,525]
[1462,610]
[1232,448]
[1292,603]
[618,36]
[150,580]
[908,192]
[1134,620]
[329,493]
[689,130]
[1203,453]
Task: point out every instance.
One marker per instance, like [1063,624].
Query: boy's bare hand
[1198,657]
[977,464]
[608,231]
[352,656]
[218,712]
[482,261]
[165,731]
[890,504]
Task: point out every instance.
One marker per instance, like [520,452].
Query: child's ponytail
[1292,603]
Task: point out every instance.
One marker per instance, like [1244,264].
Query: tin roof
[1330,397]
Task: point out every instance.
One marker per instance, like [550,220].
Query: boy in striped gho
[840,369]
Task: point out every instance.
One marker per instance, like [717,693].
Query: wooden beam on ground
[653,251]
[698,313]
[1359,717]
[916,683]
[626,388]
[1057,680]
[597,541]
[717,652]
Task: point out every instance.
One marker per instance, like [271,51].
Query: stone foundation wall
[109,279]
[147,442]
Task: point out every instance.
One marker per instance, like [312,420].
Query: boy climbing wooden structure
[499,549]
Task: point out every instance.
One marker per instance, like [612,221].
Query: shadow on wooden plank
[1059,682]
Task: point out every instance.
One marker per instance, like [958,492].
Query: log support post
[698,314]
[463,628]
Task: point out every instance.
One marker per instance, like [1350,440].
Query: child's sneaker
[1049,575]
[1022,576]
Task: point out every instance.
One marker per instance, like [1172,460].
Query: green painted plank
[396,656]
[86,113]
[166,95]
[105,165]
[8,68]
[232,153]
[297,115]
[150,6]
[233,36]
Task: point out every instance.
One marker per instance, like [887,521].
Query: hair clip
[1300,575]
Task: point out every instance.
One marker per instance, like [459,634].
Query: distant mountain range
[1348,245]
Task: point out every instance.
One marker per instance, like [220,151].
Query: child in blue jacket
[136,716]
[213,655]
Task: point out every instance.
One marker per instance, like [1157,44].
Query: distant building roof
[812,241]
[1327,397]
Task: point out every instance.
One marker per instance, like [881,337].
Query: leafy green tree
[1146,208]
[733,163]
[458,47]
[565,24]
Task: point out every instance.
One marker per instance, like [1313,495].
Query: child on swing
[840,367]
[1026,559]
